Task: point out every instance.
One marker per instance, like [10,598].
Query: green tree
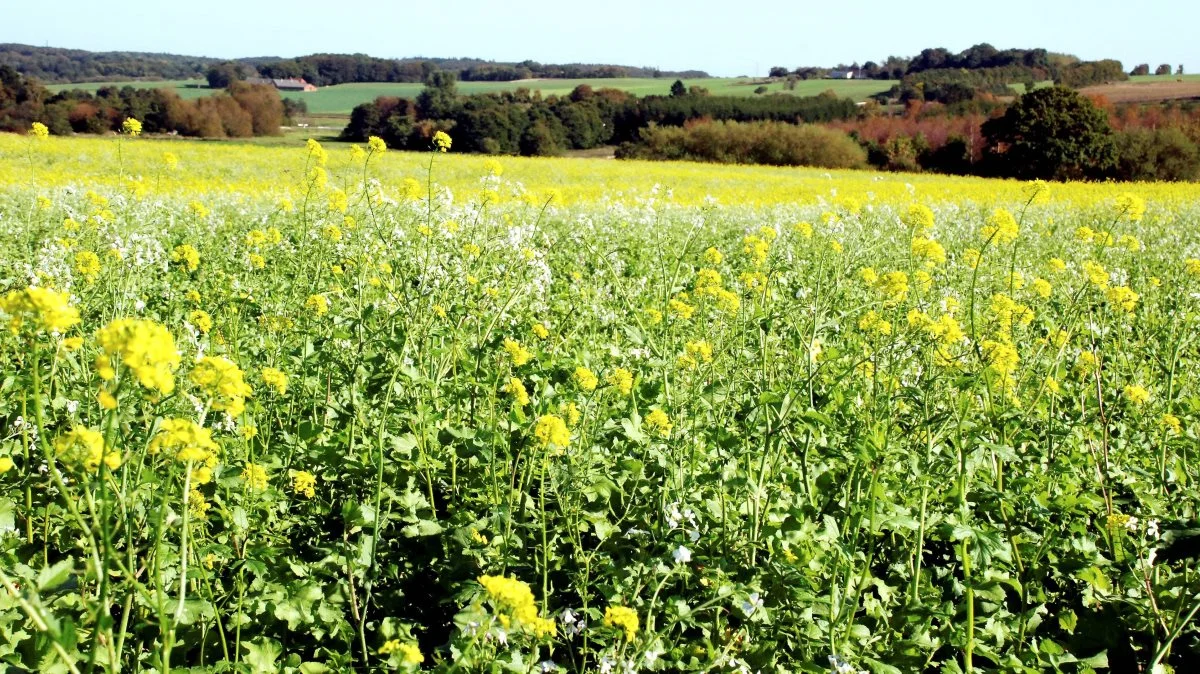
[1051,133]
[677,88]
[1163,69]
[221,75]
[439,98]
[1141,69]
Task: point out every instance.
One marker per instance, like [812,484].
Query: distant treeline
[978,57]
[243,110]
[521,122]
[50,64]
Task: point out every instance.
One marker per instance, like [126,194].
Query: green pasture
[341,98]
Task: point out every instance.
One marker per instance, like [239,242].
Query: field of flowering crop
[304,411]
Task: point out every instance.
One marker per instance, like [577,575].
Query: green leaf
[53,576]
[261,655]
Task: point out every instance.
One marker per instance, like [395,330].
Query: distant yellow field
[268,172]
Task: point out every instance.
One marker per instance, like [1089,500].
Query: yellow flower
[188,440]
[106,400]
[681,309]
[39,130]
[1052,386]
[713,256]
[972,257]
[552,430]
[514,599]
[873,322]
[304,483]
[919,219]
[1130,206]
[72,343]
[620,379]
[658,422]
[623,618]
[201,320]
[1001,357]
[192,296]
[1096,274]
[6,464]
[894,285]
[586,379]
[1171,423]
[255,476]
[275,379]
[318,304]
[1001,227]
[46,310]
[1041,287]
[518,353]
[1129,243]
[338,201]
[516,389]
[441,141]
[868,275]
[1192,267]
[131,126]
[756,248]
[223,382]
[540,331]
[928,250]
[170,160]
[257,261]
[1137,395]
[186,255]
[493,167]
[84,446]
[700,350]
[1122,298]
[145,347]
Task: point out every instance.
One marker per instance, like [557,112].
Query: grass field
[302,410]
[342,98]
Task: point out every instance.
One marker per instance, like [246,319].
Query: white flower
[752,604]
[682,555]
[1152,529]
[548,666]
[606,665]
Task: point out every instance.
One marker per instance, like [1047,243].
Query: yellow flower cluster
[304,483]
[441,141]
[622,618]
[1001,227]
[410,654]
[255,476]
[658,422]
[515,599]
[82,446]
[552,430]
[186,255]
[586,379]
[516,389]
[519,354]
[223,382]
[145,347]
[275,379]
[620,379]
[44,309]
[190,443]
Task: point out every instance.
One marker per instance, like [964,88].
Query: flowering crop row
[286,411]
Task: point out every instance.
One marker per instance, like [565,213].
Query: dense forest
[523,122]
[54,65]
[240,111]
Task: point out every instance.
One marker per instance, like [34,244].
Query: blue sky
[724,38]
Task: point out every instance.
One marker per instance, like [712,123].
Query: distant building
[850,74]
[289,84]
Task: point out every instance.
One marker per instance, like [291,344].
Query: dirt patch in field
[1137,92]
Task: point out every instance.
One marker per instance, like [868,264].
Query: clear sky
[724,38]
